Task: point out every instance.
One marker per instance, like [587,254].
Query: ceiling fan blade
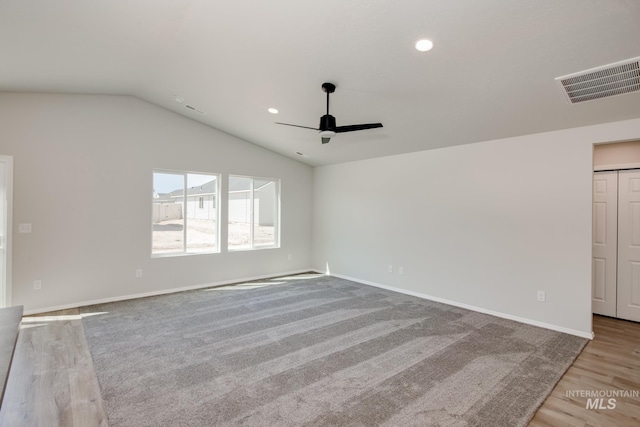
[297,126]
[325,140]
[351,128]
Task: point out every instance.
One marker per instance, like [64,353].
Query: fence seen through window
[254,213]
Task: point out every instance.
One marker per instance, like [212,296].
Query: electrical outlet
[542,296]
[37,285]
[289,257]
[390,269]
[401,270]
[139,272]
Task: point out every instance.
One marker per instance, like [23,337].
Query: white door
[629,245]
[605,243]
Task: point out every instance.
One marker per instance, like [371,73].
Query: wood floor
[610,362]
[52,381]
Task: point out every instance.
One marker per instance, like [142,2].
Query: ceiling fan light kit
[327,127]
[326,135]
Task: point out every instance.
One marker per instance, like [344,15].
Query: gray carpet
[318,351]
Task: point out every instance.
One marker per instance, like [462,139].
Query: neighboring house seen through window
[254,213]
[185,213]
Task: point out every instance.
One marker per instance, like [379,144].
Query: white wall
[83,178]
[486,224]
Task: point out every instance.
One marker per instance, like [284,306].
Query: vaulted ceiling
[490,74]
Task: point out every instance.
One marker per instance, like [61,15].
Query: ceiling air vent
[194,109]
[609,80]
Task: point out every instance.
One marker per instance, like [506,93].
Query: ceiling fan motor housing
[328,87]
[327,122]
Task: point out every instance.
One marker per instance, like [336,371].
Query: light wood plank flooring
[52,381]
[611,361]
[10,319]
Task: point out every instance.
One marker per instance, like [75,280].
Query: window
[254,213]
[185,213]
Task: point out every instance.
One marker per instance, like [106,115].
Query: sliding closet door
[629,245]
[605,244]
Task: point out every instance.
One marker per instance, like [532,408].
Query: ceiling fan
[328,126]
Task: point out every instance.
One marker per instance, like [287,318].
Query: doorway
[616,231]
[6,197]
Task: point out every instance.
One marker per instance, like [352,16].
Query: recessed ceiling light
[424,45]
[178,99]
[273,110]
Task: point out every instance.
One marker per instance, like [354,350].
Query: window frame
[185,195]
[277,215]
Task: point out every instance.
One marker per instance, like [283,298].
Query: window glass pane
[254,206]
[239,230]
[168,218]
[185,213]
[201,213]
[264,213]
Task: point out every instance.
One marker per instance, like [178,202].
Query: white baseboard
[469,307]
[161,292]
[341,276]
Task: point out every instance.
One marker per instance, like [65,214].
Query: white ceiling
[490,75]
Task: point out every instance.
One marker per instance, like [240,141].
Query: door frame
[5,281]
[616,167]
